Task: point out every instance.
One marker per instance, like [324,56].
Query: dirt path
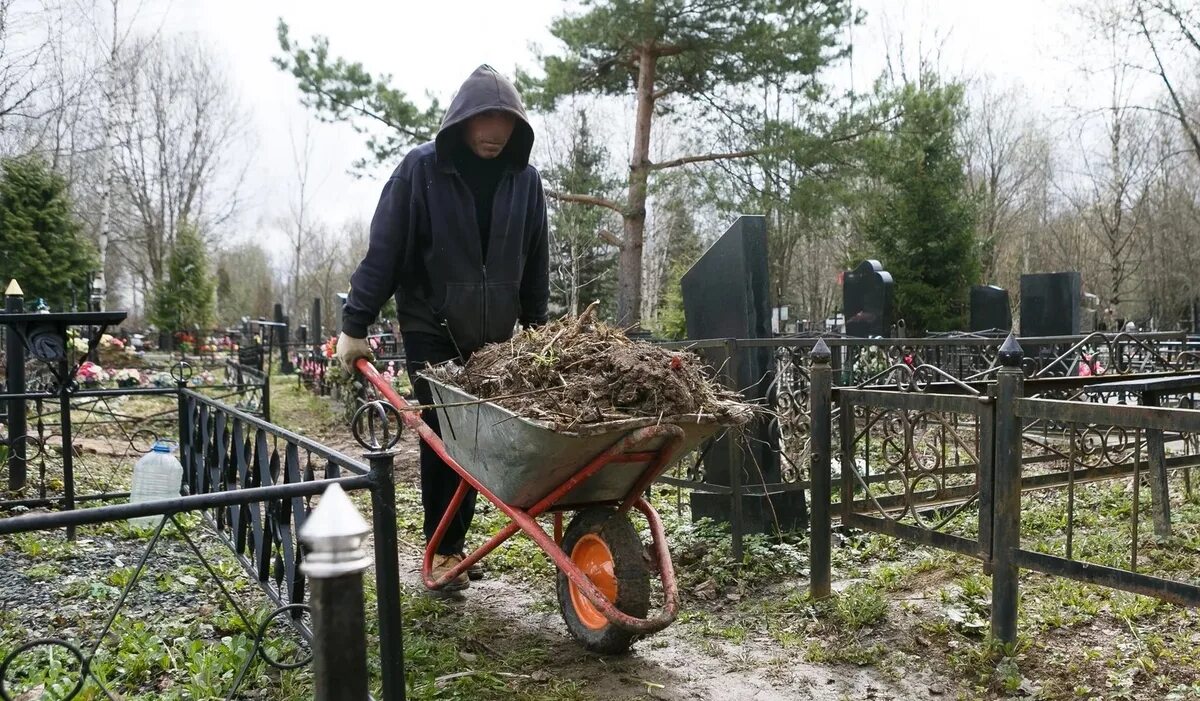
[672,664]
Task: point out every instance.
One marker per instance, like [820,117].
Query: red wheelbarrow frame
[524,519]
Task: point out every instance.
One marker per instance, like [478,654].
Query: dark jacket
[425,243]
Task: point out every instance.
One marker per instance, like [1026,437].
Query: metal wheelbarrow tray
[521,461]
[527,469]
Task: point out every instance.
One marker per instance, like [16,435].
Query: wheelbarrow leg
[662,554]
[431,549]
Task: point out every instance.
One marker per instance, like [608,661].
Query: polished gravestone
[1050,304]
[867,300]
[990,309]
[725,295]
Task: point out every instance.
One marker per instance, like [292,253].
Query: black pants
[438,481]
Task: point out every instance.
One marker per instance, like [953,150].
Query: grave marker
[867,300]
[990,308]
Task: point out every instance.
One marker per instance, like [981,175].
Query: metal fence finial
[820,351]
[335,532]
[1010,352]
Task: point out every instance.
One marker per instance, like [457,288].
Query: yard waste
[579,371]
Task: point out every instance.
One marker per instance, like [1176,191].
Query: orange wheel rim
[594,558]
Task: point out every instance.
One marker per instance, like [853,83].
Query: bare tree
[299,225]
[1004,150]
[333,254]
[1170,27]
[179,149]
[1115,184]
[23,42]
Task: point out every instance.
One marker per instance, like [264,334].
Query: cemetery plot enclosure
[950,464]
[252,485]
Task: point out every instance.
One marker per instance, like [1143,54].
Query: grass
[859,606]
[149,653]
[906,602]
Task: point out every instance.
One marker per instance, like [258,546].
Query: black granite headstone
[282,339]
[867,300]
[725,295]
[1050,304]
[314,321]
[341,308]
[990,309]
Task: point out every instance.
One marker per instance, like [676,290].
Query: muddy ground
[907,622]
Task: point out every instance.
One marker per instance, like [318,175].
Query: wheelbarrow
[599,471]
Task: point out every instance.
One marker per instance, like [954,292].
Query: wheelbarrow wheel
[606,546]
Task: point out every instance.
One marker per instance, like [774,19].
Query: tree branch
[731,155]
[586,199]
[610,238]
[1181,112]
[364,112]
[702,158]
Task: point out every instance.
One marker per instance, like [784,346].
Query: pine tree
[922,218]
[582,264]
[185,299]
[682,243]
[41,245]
[667,55]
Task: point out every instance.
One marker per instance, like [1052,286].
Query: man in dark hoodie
[459,237]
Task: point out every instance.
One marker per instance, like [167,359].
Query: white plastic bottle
[157,475]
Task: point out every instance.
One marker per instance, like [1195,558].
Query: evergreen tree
[683,248]
[921,218]
[41,245]
[185,299]
[668,55]
[582,264]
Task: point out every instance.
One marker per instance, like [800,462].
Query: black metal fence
[253,483]
[774,463]
[947,462]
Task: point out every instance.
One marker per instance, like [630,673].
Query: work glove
[350,349]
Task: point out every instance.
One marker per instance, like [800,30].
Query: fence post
[185,437]
[314,324]
[1006,492]
[736,522]
[14,302]
[335,532]
[266,396]
[820,403]
[387,575]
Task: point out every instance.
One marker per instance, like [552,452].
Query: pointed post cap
[1011,353]
[334,533]
[820,352]
[13,289]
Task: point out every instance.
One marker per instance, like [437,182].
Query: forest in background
[125,152]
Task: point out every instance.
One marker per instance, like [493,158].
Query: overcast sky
[432,46]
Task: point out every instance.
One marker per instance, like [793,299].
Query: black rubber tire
[629,566]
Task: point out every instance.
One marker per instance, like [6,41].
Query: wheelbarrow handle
[408,413]
[370,374]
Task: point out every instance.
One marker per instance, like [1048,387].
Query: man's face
[487,132]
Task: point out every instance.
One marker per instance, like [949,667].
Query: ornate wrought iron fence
[253,484]
[936,364]
[917,456]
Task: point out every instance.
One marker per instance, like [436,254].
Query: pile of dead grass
[577,371]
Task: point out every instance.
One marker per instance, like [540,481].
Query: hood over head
[484,90]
